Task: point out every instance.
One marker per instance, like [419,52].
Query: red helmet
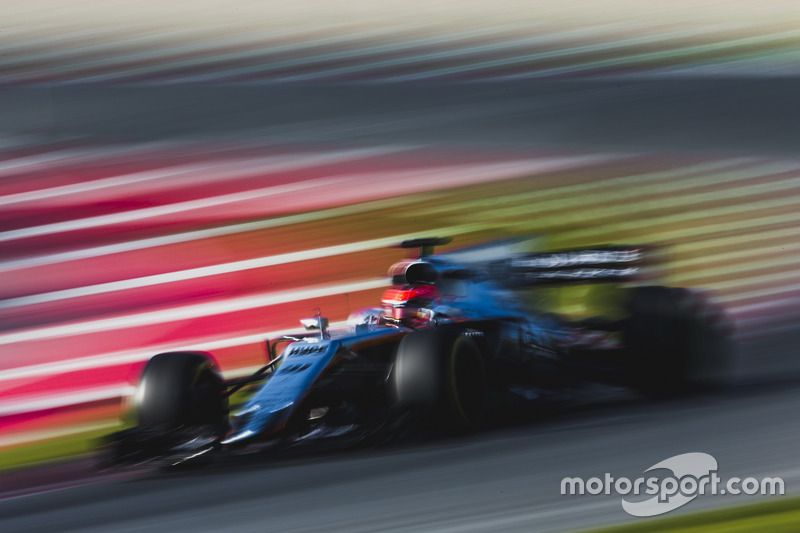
[403,304]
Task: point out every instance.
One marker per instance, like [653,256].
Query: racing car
[453,333]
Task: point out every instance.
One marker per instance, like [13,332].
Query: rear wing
[598,264]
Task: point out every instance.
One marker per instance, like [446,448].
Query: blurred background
[202,174]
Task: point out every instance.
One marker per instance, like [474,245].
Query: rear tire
[677,341]
[440,373]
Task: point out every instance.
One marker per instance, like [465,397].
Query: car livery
[454,332]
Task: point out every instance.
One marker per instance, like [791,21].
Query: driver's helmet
[410,304]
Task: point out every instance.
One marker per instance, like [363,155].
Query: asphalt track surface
[505,478]
[727,115]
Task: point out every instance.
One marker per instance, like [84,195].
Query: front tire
[441,373]
[179,390]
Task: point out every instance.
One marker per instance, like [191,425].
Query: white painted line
[787,305]
[748,240]
[103,183]
[122,180]
[226,268]
[639,184]
[789,283]
[39,402]
[396,182]
[57,157]
[606,203]
[749,273]
[212,171]
[188,312]
[191,205]
[743,256]
[758,211]
[142,354]
[141,244]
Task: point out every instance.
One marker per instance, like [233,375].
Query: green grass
[52,450]
[779,515]
[78,443]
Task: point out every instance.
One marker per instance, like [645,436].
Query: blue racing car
[454,335]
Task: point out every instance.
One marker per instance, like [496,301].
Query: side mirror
[316,323]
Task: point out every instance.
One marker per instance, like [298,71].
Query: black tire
[181,389]
[678,341]
[440,373]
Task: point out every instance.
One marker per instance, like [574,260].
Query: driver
[410,305]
